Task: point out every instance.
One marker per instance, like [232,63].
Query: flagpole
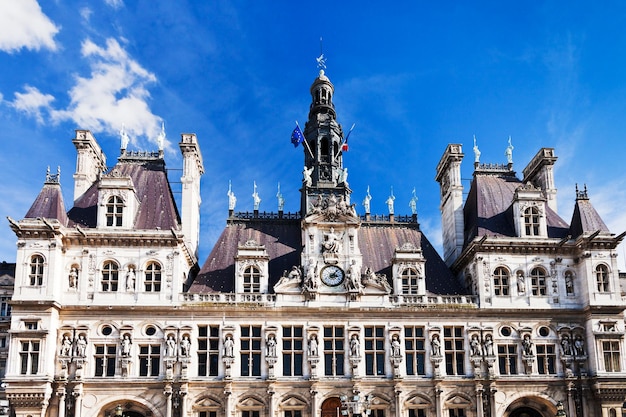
[305,142]
[344,142]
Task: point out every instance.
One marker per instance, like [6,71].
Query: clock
[332,275]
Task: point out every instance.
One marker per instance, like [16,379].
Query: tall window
[507,359]
[251,279]
[546,358]
[250,350]
[149,360]
[152,280]
[501,281]
[36,270]
[454,350]
[538,281]
[414,342]
[292,351]
[602,278]
[5,307]
[29,357]
[610,350]
[115,208]
[409,281]
[531,221]
[375,350]
[208,350]
[110,276]
[105,360]
[333,350]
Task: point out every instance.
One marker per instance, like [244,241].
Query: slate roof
[586,219]
[488,209]
[49,204]
[157,208]
[282,241]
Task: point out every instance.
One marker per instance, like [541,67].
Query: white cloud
[114,94]
[116,4]
[24,25]
[86,13]
[32,102]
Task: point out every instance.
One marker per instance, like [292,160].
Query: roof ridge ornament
[509,152]
[476,152]
[321,60]
[53,178]
[582,194]
[124,139]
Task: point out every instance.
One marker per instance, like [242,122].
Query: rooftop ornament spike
[53,178]
[581,195]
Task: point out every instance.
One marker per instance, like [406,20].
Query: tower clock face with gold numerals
[332,275]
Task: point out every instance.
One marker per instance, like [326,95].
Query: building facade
[319,313]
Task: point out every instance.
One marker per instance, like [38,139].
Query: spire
[585,218]
[49,203]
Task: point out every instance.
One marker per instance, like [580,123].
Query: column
[270,395]
[479,400]
[61,395]
[78,403]
[168,400]
[183,400]
[398,393]
[227,400]
[438,405]
[314,410]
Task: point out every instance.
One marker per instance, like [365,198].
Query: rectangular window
[5,308]
[457,412]
[377,413]
[31,325]
[454,350]
[417,412]
[414,342]
[610,350]
[507,359]
[207,414]
[374,350]
[250,350]
[292,351]
[105,360]
[250,413]
[546,359]
[149,360]
[208,350]
[29,357]
[333,350]
[292,413]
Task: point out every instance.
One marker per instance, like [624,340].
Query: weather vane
[321,60]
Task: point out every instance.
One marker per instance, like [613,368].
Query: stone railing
[438,300]
[231,298]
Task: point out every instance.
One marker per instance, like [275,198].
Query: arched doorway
[525,412]
[331,407]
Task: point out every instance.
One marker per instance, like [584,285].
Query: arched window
[152,280]
[251,279]
[531,221]
[110,276]
[115,208]
[409,281]
[602,278]
[501,281]
[36,270]
[538,281]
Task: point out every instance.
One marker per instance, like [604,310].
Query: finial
[53,178]
[161,137]
[232,200]
[123,138]
[321,61]
[366,200]
[509,152]
[413,202]
[281,200]
[476,152]
[389,201]
[256,198]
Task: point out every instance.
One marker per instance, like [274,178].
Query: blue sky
[414,77]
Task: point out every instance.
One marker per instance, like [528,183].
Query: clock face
[332,275]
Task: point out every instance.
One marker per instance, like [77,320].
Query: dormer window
[602,278]
[410,281]
[36,270]
[110,276]
[114,211]
[251,279]
[531,221]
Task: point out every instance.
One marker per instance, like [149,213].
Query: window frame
[293,350]
[501,281]
[251,348]
[149,360]
[602,274]
[109,276]
[153,277]
[415,350]
[538,282]
[334,350]
[532,221]
[611,356]
[454,350]
[208,350]
[105,360]
[410,281]
[374,341]
[507,359]
[36,270]
[114,211]
[251,279]
[30,354]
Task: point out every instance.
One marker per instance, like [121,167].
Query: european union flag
[297,137]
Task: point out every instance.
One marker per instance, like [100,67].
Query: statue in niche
[566,346]
[126,342]
[271,346]
[475,346]
[527,345]
[306,173]
[354,345]
[435,346]
[81,346]
[310,283]
[229,347]
[73,278]
[171,346]
[395,346]
[488,345]
[66,346]
[313,346]
[521,283]
[579,346]
[185,347]
[130,279]
[354,281]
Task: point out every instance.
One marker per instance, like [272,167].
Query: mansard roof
[585,218]
[488,209]
[282,241]
[49,203]
[157,208]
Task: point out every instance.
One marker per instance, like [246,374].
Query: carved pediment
[417,400]
[207,403]
[293,402]
[330,208]
[251,402]
[458,400]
